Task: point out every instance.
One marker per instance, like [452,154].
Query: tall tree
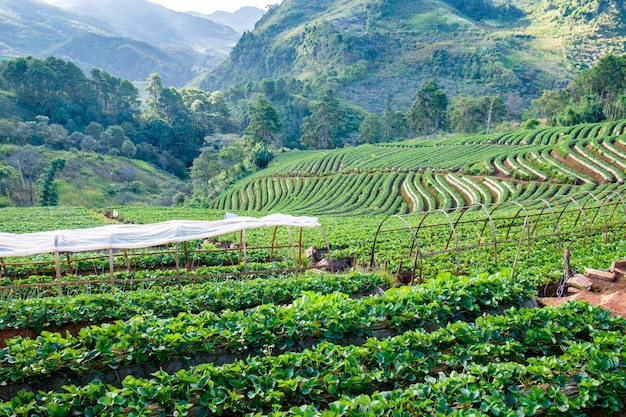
[49,189]
[154,88]
[264,122]
[322,129]
[396,126]
[429,110]
[371,129]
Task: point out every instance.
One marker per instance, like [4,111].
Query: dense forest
[210,139]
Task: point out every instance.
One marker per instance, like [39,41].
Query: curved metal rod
[609,197]
[419,253]
[493,233]
[521,238]
[580,210]
[375,239]
[456,240]
[456,223]
[556,229]
[415,241]
[593,219]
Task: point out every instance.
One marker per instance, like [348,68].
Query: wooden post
[273,240]
[112,271]
[567,271]
[126,260]
[57,265]
[245,252]
[70,270]
[186,252]
[4,268]
[240,246]
[177,252]
[293,250]
[300,244]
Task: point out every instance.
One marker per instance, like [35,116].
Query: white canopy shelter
[135,236]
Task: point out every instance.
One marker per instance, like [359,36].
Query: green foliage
[323,128]
[475,115]
[261,155]
[264,123]
[428,113]
[49,191]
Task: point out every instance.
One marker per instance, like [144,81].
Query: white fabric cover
[134,236]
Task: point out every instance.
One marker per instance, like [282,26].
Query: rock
[310,252]
[618,267]
[580,281]
[598,274]
[324,264]
[573,290]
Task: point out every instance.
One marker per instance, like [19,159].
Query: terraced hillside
[422,175]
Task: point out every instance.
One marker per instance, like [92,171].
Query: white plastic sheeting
[135,236]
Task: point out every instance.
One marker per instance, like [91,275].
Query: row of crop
[608,149]
[584,157]
[20,270]
[326,317]
[215,296]
[414,202]
[426,192]
[443,196]
[530,361]
[72,285]
[547,158]
[456,199]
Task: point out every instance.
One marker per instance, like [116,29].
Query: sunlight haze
[211,6]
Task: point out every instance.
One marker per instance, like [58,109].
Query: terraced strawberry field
[483,219]
[334,182]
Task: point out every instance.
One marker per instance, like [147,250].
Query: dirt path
[608,295]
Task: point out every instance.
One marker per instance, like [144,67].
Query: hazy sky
[209,6]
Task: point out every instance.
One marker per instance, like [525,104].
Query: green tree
[550,104]
[429,110]
[476,114]
[128,149]
[264,122]
[154,88]
[322,129]
[396,125]
[371,129]
[606,80]
[49,189]
[261,154]
[493,110]
[170,103]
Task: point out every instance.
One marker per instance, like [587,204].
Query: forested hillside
[377,53]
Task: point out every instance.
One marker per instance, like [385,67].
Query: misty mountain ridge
[127,38]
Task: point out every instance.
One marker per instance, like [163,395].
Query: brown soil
[608,295]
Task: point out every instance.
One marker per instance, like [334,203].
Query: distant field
[422,175]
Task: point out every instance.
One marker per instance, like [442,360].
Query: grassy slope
[92,180]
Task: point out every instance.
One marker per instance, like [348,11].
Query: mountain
[377,53]
[129,39]
[241,20]
[149,22]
